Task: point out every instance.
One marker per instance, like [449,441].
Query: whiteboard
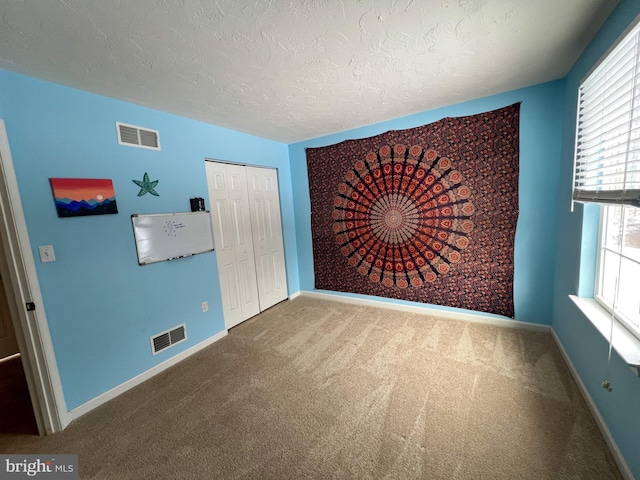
[167,236]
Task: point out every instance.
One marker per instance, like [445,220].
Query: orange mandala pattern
[427,214]
[402,216]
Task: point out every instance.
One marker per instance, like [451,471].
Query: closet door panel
[224,244]
[266,227]
[231,290]
[243,241]
[234,249]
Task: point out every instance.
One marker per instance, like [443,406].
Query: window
[619,264]
[607,172]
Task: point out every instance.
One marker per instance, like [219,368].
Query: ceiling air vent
[169,338]
[137,136]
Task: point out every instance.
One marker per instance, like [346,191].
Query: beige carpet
[319,389]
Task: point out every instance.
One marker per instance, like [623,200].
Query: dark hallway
[16,412]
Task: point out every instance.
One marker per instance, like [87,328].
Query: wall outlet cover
[47,254]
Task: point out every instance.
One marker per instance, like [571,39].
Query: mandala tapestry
[427,214]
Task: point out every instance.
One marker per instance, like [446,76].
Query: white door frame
[31,327]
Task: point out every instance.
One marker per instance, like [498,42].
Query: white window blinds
[607,168]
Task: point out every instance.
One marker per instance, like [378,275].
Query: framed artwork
[78,197]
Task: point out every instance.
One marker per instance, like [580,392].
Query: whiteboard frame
[148,259]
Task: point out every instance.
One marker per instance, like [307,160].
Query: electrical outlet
[47,254]
[205,306]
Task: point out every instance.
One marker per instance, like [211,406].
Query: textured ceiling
[293,70]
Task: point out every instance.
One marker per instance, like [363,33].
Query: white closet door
[266,227]
[233,241]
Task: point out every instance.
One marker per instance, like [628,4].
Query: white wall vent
[169,338]
[137,136]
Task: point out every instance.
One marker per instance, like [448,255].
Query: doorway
[16,409]
[24,302]
[8,340]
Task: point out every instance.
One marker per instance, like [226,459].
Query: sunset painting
[77,197]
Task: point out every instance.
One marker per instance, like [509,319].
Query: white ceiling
[298,69]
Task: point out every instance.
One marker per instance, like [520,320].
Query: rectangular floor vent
[169,338]
[137,136]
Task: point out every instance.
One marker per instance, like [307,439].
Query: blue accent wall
[100,305]
[576,253]
[541,117]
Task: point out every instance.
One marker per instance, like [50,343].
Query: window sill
[624,342]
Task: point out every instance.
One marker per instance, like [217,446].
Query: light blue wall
[576,241]
[101,306]
[540,140]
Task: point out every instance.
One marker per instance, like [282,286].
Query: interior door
[266,227]
[8,340]
[233,242]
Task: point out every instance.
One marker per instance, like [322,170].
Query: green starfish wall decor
[146,186]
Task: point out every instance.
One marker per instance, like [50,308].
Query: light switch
[47,254]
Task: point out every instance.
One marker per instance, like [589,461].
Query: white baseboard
[427,310]
[613,446]
[137,380]
[294,295]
